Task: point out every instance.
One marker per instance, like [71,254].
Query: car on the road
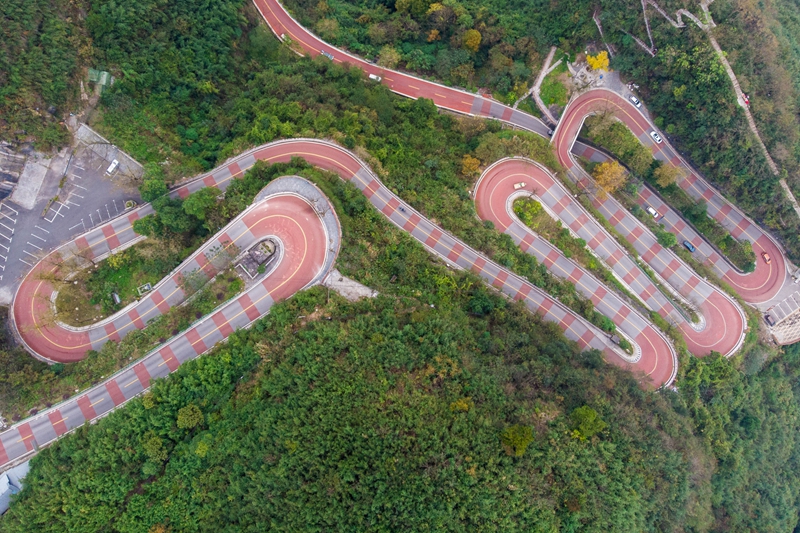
[769,320]
[689,246]
[327,54]
[656,137]
[375,77]
[520,185]
[766,257]
[635,101]
[652,211]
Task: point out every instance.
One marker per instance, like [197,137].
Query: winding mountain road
[762,288]
[757,287]
[288,210]
[309,238]
[722,324]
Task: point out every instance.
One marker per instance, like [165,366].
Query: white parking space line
[76,225]
[37,247]
[30,254]
[78,186]
[34,235]
[79,168]
[9,207]
[73,204]
[75,194]
[44,230]
[108,212]
[9,238]
[30,265]
[4,258]
[116,210]
[6,217]
[10,229]
[6,247]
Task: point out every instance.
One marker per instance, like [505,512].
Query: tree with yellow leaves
[599,61]
[665,175]
[610,176]
[388,57]
[472,40]
[470,165]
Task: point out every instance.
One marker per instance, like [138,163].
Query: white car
[375,77]
[635,101]
[112,167]
[656,137]
[520,185]
[652,211]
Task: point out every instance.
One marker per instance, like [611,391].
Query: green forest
[42,49]
[390,414]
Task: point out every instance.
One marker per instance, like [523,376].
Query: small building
[11,483]
[258,258]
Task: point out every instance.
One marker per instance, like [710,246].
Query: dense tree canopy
[393,415]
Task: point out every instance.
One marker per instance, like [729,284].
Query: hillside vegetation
[43,45]
[500,44]
[393,415]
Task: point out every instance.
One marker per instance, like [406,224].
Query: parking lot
[70,202]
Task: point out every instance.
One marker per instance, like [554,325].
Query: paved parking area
[88,196]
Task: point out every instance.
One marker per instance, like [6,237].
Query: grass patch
[553,90]
[87,298]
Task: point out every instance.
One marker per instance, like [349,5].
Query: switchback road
[309,242]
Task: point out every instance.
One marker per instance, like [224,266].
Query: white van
[112,167]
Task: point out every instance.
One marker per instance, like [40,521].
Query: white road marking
[34,235]
[30,254]
[44,230]
[37,247]
[30,265]
[76,225]
[78,186]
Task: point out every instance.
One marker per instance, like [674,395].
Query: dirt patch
[348,288]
